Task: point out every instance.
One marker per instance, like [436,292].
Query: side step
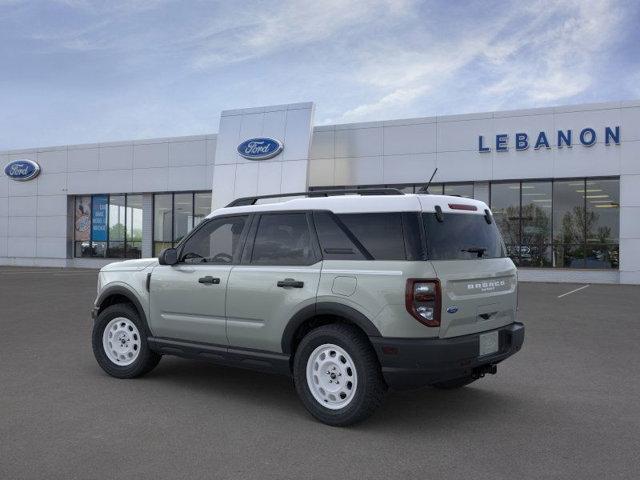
[270,362]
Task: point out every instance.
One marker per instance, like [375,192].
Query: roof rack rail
[244,201]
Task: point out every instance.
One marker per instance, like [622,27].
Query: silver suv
[348,292]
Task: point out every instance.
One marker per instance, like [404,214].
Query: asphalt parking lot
[567,406]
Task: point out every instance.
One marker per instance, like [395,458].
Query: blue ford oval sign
[22,170]
[260,148]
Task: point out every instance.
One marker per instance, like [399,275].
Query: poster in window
[99,218]
[83,219]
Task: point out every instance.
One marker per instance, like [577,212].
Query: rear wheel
[337,375]
[120,344]
[455,383]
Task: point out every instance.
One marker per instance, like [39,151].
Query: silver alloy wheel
[121,341]
[332,376]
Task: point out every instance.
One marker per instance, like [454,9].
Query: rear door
[478,282]
[278,276]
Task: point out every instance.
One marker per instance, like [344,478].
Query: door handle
[209,280]
[290,282]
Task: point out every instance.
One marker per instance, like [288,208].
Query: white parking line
[573,291]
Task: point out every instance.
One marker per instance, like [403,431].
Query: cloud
[555,63]
[287,25]
[125,69]
[541,53]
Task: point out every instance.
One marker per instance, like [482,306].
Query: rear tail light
[422,299]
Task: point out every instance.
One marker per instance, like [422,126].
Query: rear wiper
[479,250]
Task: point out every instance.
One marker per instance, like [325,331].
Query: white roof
[362,203]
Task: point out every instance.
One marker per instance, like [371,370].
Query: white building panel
[51,205]
[188,153]
[82,159]
[358,142]
[151,155]
[116,157]
[52,183]
[24,247]
[22,227]
[22,206]
[322,144]
[410,139]
[420,165]
[53,161]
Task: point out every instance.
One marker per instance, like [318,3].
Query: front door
[187,300]
[278,277]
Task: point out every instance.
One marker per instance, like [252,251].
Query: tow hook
[480,372]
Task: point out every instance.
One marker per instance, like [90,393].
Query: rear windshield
[462,236]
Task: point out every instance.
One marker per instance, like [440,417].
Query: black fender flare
[129,295]
[326,308]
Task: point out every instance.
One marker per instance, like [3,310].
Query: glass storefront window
[434,188]
[505,205]
[603,223]
[175,215]
[108,226]
[134,226]
[82,227]
[460,189]
[569,223]
[201,207]
[182,215]
[535,243]
[117,220]
[162,222]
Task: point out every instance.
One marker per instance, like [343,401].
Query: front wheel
[120,344]
[337,375]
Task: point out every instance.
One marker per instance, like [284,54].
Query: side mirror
[168,256]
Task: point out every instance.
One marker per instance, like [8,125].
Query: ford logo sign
[22,170]
[452,309]
[260,148]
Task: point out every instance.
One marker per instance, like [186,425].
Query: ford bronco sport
[348,293]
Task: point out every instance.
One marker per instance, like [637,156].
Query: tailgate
[477,295]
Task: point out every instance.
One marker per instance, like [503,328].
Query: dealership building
[563,182]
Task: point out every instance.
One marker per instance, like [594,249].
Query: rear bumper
[411,363]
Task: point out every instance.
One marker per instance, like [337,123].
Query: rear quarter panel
[378,293]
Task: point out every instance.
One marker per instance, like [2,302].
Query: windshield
[462,236]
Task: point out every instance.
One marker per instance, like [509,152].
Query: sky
[80,71]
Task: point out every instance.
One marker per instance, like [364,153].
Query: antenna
[426,187]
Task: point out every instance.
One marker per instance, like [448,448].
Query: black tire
[455,383]
[146,359]
[370,387]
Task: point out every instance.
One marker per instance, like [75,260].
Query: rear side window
[462,236]
[283,239]
[334,240]
[380,233]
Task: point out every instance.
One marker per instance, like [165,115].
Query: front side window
[283,239]
[462,236]
[216,242]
